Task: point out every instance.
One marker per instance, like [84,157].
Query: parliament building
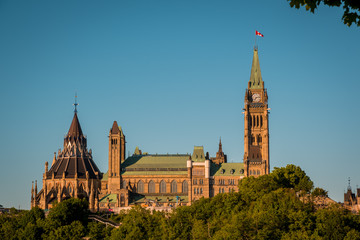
[167,180]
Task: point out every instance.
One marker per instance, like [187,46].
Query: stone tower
[116,157]
[256,136]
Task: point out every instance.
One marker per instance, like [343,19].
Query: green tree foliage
[74,231]
[98,231]
[292,177]
[140,223]
[319,192]
[67,211]
[351,8]
[267,207]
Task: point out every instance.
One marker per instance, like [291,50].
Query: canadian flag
[259,34]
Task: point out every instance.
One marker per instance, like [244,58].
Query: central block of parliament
[160,179]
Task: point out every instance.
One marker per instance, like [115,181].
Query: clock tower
[256,136]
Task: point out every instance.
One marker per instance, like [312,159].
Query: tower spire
[256,81]
[75,103]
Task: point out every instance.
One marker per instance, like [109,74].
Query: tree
[319,192]
[351,8]
[74,231]
[292,177]
[67,211]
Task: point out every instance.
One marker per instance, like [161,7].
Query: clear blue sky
[173,74]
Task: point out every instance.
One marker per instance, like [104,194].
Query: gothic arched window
[258,172]
[162,186]
[151,187]
[140,187]
[124,184]
[173,188]
[184,186]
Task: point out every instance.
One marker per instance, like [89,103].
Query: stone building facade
[156,179]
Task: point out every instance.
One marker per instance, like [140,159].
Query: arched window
[173,188]
[124,184]
[194,190]
[259,139]
[250,121]
[257,121]
[258,172]
[254,122]
[197,191]
[140,187]
[70,189]
[162,186]
[250,172]
[201,191]
[261,121]
[184,187]
[151,187]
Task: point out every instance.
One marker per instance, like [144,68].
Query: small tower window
[261,121]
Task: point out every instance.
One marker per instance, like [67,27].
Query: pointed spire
[255,81]
[75,128]
[115,128]
[220,146]
[75,104]
[54,159]
[35,187]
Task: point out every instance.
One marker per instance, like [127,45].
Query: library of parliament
[167,180]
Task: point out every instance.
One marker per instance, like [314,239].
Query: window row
[229,182]
[222,190]
[140,187]
[256,121]
[201,181]
[198,191]
[254,172]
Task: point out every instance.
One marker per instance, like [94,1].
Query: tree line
[274,206]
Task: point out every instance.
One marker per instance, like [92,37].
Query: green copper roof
[112,198]
[198,154]
[256,81]
[105,176]
[155,164]
[228,169]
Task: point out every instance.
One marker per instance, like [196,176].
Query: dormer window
[232,171]
[222,171]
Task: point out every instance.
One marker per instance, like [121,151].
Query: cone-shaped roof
[255,81]
[75,129]
[74,160]
[115,128]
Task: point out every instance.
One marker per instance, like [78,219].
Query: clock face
[256,97]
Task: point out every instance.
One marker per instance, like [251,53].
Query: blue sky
[173,74]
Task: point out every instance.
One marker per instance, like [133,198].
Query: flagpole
[255,42]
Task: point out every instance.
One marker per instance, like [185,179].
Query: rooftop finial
[349,187]
[75,104]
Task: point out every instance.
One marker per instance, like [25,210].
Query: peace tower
[256,135]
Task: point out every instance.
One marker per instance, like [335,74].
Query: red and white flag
[259,34]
